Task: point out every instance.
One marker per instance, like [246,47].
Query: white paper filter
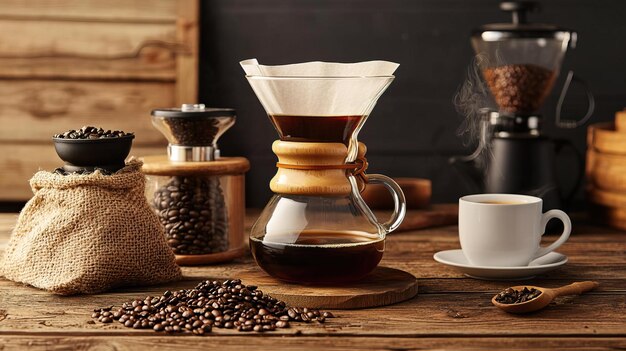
[319,88]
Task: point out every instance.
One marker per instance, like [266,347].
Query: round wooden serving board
[384,286]
[198,260]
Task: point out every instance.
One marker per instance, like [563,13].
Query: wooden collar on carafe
[316,169]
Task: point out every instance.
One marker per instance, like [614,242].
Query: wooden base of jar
[198,260]
[384,286]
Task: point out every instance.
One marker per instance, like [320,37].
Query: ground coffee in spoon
[511,296]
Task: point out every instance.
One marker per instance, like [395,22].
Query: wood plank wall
[412,130]
[69,63]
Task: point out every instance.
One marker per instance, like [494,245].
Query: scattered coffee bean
[229,305]
[510,296]
[88,132]
[282,324]
[63,172]
[193,212]
[519,88]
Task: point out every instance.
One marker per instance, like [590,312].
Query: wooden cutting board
[417,192]
[433,216]
[384,286]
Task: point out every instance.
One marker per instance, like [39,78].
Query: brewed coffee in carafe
[317,229]
[325,129]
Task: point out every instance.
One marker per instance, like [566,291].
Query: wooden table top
[450,312]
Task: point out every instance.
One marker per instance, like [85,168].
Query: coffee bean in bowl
[88,132]
[91,147]
[64,172]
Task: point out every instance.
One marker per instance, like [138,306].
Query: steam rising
[471,101]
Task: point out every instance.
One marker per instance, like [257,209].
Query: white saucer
[456,259]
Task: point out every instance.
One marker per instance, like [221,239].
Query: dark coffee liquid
[319,257]
[332,129]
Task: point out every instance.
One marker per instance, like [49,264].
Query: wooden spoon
[546,296]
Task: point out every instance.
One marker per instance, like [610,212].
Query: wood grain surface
[159,11]
[450,312]
[87,50]
[14,179]
[50,107]
[69,63]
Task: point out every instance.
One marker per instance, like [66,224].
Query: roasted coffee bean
[195,132]
[82,171]
[88,132]
[282,324]
[510,296]
[193,212]
[228,304]
[519,88]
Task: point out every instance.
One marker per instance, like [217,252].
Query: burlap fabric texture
[83,234]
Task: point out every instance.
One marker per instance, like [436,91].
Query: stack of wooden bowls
[606,171]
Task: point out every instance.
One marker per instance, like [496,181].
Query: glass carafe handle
[399,202]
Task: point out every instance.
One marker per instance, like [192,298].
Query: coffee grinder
[197,194]
[519,62]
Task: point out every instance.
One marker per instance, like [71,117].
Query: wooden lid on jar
[161,165]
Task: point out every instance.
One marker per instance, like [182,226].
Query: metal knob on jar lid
[192,131]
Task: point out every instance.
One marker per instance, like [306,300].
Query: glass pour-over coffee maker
[317,228]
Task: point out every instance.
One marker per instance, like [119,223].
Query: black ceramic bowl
[105,153]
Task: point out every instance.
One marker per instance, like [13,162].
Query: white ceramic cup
[506,235]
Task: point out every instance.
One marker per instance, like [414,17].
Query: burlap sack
[88,234]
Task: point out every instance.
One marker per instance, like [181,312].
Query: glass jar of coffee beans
[201,206]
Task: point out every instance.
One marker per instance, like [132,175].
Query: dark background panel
[413,129]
